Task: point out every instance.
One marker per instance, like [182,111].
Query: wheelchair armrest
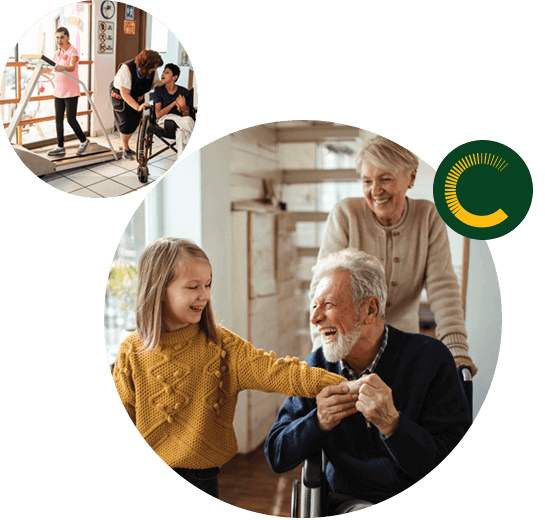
[312,471]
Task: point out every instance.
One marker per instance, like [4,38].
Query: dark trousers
[70,105]
[204,479]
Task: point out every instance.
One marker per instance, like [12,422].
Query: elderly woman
[134,78]
[410,239]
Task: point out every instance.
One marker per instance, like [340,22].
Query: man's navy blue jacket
[434,416]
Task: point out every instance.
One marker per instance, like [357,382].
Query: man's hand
[376,403]
[335,402]
[180,102]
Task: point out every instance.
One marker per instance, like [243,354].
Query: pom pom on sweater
[182,397]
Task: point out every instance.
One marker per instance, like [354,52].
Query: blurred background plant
[122,283]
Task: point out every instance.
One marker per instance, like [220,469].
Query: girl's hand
[334,403]
[58,68]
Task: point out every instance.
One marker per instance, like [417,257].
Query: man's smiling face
[333,314]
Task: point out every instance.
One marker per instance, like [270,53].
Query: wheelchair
[148,129]
[311,493]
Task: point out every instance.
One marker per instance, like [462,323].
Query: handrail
[17,100]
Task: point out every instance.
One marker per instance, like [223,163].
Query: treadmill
[43,164]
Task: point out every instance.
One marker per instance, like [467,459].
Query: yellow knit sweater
[182,396]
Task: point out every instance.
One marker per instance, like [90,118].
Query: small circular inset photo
[98,99]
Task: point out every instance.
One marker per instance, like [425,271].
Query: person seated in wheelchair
[402,409]
[174,102]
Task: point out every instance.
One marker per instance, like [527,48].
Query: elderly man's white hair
[367,276]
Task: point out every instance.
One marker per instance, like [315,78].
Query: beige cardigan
[415,253]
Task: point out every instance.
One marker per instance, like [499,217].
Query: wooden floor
[248,482]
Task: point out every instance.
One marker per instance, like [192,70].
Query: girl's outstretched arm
[258,370]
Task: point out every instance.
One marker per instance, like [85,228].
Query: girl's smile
[187,295]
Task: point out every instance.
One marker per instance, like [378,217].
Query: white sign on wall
[105,37]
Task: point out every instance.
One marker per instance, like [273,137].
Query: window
[40,39]
[333,156]
[119,310]
[159,36]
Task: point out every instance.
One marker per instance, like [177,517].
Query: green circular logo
[482,190]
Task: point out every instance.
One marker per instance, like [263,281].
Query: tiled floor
[111,178]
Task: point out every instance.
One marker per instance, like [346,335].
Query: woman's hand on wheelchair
[142,106]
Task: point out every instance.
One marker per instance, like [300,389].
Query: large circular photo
[292,328]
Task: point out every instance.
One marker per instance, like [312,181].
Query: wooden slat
[317,176]
[255,206]
[25,122]
[307,251]
[308,216]
[317,134]
[35,98]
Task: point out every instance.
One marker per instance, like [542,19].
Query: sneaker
[128,154]
[83,147]
[57,151]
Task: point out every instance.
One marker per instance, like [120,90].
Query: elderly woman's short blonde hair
[387,155]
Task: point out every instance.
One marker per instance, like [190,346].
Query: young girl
[179,374]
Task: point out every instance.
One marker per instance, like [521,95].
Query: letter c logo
[482,189]
[479,221]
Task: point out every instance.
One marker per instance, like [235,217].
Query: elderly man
[410,410]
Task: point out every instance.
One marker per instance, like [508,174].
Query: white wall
[193,202]
[483,318]
[216,224]
[104,66]
[103,73]
[181,207]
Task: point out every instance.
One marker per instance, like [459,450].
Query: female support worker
[134,78]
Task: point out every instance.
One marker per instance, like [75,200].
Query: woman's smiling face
[385,192]
[187,295]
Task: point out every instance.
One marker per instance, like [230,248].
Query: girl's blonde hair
[157,268]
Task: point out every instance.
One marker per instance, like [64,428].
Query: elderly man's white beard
[341,347]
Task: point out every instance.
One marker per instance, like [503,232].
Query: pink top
[66,87]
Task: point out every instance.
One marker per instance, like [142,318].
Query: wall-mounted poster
[129,12]
[129,27]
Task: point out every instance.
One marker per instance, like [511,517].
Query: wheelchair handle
[465,373]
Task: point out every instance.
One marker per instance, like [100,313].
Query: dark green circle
[482,189]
